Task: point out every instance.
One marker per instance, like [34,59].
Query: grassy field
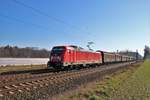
[131,84]
[11,68]
[136,87]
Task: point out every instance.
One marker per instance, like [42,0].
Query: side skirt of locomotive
[72,65]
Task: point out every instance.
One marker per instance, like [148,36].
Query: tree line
[26,52]
[34,52]
[147,52]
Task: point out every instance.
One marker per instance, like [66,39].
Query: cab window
[58,50]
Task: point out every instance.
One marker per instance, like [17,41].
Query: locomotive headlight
[51,58]
[59,58]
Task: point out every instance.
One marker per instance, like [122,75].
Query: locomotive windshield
[58,50]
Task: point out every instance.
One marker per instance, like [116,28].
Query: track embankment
[45,85]
[132,83]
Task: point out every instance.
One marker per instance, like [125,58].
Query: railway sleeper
[28,83]
[21,84]
[33,82]
[11,92]
[1,95]
[28,89]
[20,91]
[15,86]
[7,87]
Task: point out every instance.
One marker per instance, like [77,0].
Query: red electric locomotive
[72,56]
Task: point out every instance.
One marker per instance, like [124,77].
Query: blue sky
[111,24]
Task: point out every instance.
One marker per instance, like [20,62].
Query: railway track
[54,81]
[9,79]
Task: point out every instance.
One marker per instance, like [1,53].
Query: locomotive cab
[56,58]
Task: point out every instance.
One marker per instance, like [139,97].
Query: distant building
[131,53]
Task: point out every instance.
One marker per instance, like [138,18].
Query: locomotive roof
[80,48]
[75,48]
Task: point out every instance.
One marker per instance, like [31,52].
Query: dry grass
[136,87]
[124,85]
[11,68]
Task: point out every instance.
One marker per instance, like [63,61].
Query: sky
[111,24]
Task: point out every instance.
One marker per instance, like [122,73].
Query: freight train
[66,57]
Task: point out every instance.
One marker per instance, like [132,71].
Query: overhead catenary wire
[49,16]
[23,22]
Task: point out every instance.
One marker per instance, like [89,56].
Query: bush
[94,97]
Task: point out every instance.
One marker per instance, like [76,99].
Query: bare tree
[89,45]
[27,52]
